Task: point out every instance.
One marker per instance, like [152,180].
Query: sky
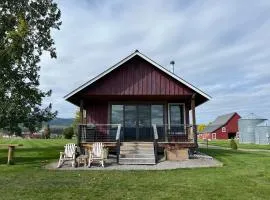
[222,47]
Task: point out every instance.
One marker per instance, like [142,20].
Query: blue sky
[222,47]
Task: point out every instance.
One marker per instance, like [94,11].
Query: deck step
[136,143]
[137,161]
[124,151]
[137,153]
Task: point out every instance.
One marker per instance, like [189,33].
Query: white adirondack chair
[97,154]
[68,155]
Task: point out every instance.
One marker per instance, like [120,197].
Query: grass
[245,175]
[226,143]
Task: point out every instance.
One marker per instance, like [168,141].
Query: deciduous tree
[25,34]
[76,122]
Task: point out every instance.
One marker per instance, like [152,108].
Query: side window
[176,114]
[176,118]
[117,114]
[157,114]
[223,129]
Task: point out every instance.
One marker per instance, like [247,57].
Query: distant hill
[61,122]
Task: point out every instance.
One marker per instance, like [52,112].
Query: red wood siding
[97,113]
[231,127]
[137,77]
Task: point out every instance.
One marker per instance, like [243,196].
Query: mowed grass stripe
[37,143]
[245,175]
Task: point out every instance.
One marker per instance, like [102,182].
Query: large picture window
[134,115]
[137,120]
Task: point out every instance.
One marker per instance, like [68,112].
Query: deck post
[80,126]
[194,120]
[81,112]
[11,149]
[118,142]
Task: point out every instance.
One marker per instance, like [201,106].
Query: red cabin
[224,127]
[138,100]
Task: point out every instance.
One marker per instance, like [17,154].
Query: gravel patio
[198,161]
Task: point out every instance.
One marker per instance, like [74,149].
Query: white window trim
[214,134]
[169,116]
[223,129]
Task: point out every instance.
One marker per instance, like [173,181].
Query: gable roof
[218,123]
[137,53]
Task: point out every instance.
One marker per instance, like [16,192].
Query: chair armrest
[104,150]
[74,155]
[90,153]
[62,155]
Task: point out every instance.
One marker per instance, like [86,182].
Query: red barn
[224,127]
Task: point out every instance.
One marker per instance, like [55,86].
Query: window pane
[176,114]
[117,114]
[144,115]
[130,116]
[157,114]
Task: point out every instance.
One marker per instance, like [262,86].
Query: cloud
[220,46]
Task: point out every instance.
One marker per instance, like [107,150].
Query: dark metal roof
[218,123]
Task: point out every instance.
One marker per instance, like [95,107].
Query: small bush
[68,132]
[233,144]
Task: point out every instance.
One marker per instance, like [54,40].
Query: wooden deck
[160,144]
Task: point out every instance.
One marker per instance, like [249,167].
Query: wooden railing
[155,142]
[116,133]
[98,132]
[118,142]
[174,133]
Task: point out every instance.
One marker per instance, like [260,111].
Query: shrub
[233,144]
[68,132]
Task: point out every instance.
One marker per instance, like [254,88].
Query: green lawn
[246,175]
[226,143]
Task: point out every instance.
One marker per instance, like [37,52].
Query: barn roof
[218,123]
[137,53]
[252,116]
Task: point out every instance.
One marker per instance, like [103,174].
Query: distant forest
[61,122]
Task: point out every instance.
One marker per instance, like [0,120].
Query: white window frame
[169,116]
[214,134]
[223,129]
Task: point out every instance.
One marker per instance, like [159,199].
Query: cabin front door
[137,123]
[137,120]
[130,123]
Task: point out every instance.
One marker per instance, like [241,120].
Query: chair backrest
[70,149]
[97,149]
